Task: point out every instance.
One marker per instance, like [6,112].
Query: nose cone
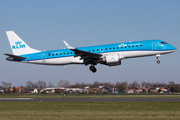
[173,48]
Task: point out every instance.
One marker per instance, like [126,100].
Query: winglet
[67,45]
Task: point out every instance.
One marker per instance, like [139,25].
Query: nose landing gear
[158,61]
[92,68]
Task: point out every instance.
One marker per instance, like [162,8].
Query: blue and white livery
[110,54]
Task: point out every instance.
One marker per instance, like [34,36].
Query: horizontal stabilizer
[15,56]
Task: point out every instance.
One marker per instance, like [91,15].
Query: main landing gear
[92,68]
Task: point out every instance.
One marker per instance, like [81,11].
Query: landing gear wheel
[93,69]
[158,61]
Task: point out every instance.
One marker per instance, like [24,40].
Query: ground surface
[89,110]
[94,99]
[89,95]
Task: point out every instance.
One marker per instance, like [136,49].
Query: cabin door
[154,46]
[43,57]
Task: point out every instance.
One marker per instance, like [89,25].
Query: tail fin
[18,46]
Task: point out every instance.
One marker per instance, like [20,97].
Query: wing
[86,56]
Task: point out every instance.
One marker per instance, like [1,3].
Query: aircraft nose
[173,48]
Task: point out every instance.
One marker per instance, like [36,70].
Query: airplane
[109,54]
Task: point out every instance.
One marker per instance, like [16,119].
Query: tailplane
[18,46]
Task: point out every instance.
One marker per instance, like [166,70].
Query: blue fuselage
[139,46]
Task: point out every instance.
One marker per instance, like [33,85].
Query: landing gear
[158,61]
[92,68]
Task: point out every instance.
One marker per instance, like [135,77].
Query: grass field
[89,110]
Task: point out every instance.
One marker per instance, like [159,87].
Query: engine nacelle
[112,60]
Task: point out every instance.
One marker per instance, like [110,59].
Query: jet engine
[112,60]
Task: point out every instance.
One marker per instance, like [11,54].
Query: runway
[94,99]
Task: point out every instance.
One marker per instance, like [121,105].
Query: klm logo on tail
[18,45]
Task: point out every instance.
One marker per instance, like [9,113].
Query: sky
[44,24]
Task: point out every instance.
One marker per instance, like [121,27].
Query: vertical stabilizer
[18,46]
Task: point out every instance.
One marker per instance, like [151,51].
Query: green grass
[89,110]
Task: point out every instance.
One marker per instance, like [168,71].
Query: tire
[158,61]
[93,69]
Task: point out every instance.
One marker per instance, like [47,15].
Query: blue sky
[44,24]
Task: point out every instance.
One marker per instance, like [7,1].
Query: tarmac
[95,99]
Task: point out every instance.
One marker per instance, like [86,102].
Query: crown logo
[18,42]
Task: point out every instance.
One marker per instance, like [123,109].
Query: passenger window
[140,45]
[129,46]
[71,52]
[101,49]
[121,47]
[68,53]
[56,54]
[125,46]
[89,50]
[52,54]
[60,53]
[114,48]
[64,53]
[93,50]
[136,45]
[97,49]
[106,48]
[117,47]
[110,48]
[133,46]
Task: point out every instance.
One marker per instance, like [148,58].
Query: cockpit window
[163,43]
